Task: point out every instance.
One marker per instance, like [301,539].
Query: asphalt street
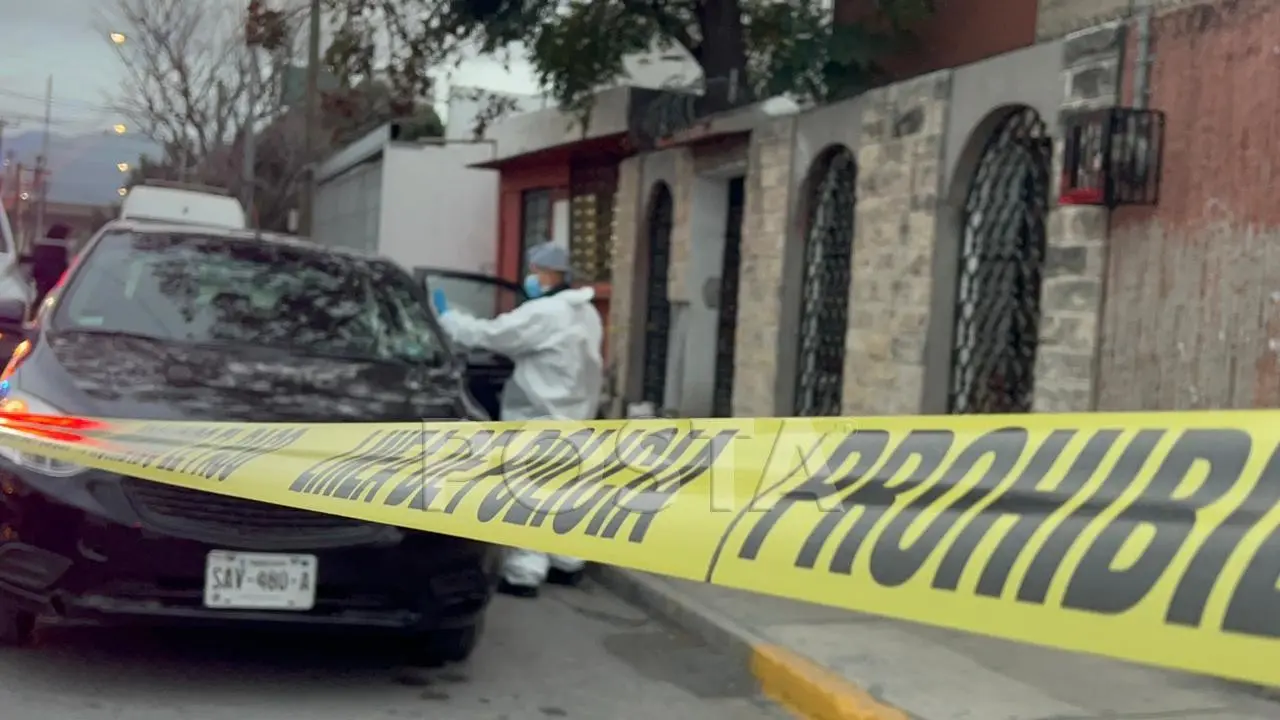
[572,653]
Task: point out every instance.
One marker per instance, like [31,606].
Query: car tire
[17,627]
[446,645]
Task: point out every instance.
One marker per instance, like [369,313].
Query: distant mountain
[83,167]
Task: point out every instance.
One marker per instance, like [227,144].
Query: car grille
[209,517]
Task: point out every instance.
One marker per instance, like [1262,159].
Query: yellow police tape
[1148,537]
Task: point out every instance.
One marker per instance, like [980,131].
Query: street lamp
[122,192]
[117,38]
[119,128]
[122,167]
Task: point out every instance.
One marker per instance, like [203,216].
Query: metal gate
[824,315]
[727,327]
[1001,262]
[657,315]
[592,189]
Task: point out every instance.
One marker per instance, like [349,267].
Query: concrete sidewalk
[828,664]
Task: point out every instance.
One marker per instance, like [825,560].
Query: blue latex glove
[438,299]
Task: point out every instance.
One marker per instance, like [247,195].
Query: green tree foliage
[746,48]
[350,113]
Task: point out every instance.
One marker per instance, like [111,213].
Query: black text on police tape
[560,478]
[860,475]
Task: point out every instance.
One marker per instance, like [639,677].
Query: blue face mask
[532,287]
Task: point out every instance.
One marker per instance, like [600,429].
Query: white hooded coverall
[555,343]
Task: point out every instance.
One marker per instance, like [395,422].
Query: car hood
[126,377]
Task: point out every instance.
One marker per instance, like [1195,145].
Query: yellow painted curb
[812,691]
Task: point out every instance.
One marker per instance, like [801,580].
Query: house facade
[906,251]
[559,182]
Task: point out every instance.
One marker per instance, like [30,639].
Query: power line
[28,117]
[82,104]
[83,113]
[14,119]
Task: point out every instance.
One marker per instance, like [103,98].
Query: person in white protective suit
[554,339]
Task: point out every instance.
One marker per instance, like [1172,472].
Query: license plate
[260,581]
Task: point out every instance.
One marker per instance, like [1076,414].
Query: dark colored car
[177,323]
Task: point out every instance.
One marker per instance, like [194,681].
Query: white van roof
[183,203]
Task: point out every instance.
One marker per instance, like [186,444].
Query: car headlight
[14,402]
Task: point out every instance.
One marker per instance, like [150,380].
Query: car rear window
[213,289]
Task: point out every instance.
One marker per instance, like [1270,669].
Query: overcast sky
[39,38]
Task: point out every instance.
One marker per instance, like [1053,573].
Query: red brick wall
[960,32]
[1189,318]
[1216,74]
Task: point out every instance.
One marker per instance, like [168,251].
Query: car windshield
[210,289]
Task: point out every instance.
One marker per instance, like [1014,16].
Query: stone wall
[912,142]
[678,289]
[896,220]
[766,229]
[1075,259]
[627,293]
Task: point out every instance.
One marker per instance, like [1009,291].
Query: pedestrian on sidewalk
[554,339]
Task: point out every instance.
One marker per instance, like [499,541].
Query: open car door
[482,296]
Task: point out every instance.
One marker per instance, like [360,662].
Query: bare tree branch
[189,85]
[188,71]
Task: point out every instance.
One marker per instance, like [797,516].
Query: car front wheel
[446,645]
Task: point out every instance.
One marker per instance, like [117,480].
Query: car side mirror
[13,312]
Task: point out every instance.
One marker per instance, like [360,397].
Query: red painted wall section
[1191,314]
[513,183]
[959,33]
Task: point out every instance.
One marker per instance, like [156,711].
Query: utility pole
[16,203]
[5,124]
[42,173]
[311,128]
[8,175]
[17,183]
[4,169]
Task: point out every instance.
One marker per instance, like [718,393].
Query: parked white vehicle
[159,200]
[14,283]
